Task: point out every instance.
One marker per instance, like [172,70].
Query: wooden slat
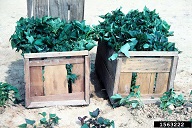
[27,82]
[40,8]
[152,53]
[76,10]
[29,8]
[56,103]
[146,82]
[58,8]
[56,54]
[36,81]
[79,85]
[173,72]
[117,75]
[161,83]
[87,79]
[125,83]
[149,64]
[54,61]
[55,80]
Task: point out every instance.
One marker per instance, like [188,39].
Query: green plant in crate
[118,100]
[95,121]
[171,98]
[134,31]
[50,122]
[8,92]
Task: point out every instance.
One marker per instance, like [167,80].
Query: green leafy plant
[44,122]
[8,92]
[95,121]
[134,31]
[118,100]
[171,98]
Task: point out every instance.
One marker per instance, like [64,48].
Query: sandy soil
[177,13]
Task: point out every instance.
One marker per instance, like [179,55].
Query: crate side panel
[79,85]
[124,83]
[36,81]
[55,80]
[40,8]
[146,64]
[146,82]
[162,83]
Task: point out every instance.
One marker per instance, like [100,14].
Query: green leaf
[52,116]
[95,113]
[190,93]
[43,114]
[89,46]
[134,105]
[30,39]
[38,42]
[84,126]
[125,49]
[113,57]
[23,126]
[100,120]
[146,46]
[43,121]
[116,97]
[31,122]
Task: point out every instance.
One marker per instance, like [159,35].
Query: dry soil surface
[177,13]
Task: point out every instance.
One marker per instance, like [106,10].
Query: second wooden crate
[46,79]
[155,71]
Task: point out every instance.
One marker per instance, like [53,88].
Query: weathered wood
[79,70]
[117,75]
[173,72]
[29,8]
[55,80]
[146,82]
[76,10]
[149,64]
[162,83]
[125,83]
[27,82]
[55,54]
[87,79]
[36,81]
[40,8]
[54,61]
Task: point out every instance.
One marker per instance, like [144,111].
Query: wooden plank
[173,72]
[117,75]
[161,83]
[125,83]
[59,8]
[40,8]
[55,61]
[56,103]
[56,54]
[27,82]
[146,82]
[87,79]
[151,53]
[149,64]
[55,80]
[36,81]
[76,10]
[29,8]
[79,85]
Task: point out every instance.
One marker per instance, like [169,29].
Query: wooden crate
[155,71]
[46,79]
[65,9]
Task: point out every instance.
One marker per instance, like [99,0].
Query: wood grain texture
[29,8]
[79,85]
[117,75]
[27,82]
[36,81]
[146,64]
[125,83]
[162,83]
[55,80]
[87,79]
[56,54]
[40,8]
[146,82]
[76,9]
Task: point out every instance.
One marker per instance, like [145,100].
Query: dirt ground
[177,13]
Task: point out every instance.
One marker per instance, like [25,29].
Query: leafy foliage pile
[134,31]
[8,92]
[44,122]
[118,100]
[95,121]
[47,34]
[171,98]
